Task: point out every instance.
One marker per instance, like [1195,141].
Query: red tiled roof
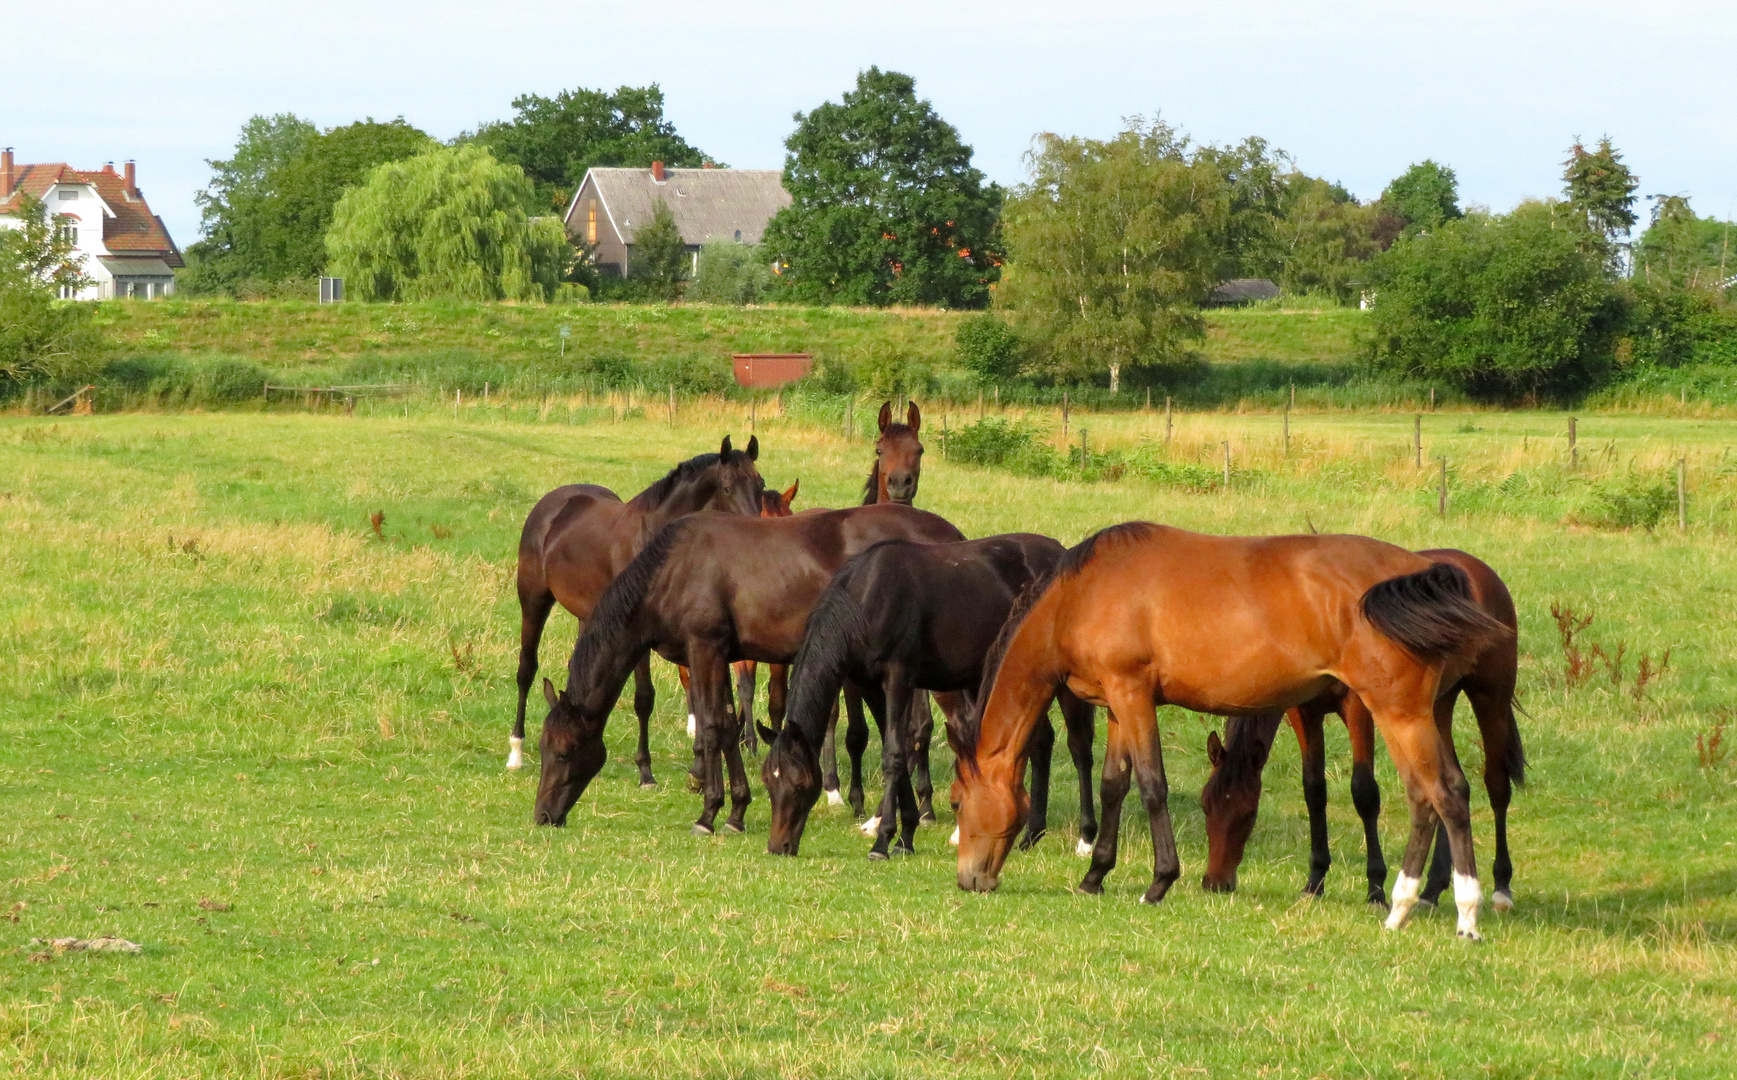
[134,230]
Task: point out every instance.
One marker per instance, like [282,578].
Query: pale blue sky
[1356,91]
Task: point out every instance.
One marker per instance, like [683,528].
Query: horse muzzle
[978,881]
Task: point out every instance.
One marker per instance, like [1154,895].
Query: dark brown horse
[1141,615]
[579,537]
[1231,796]
[708,590]
[898,618]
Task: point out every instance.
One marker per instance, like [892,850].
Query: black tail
[832,635]
[1515,759]
[1432,615]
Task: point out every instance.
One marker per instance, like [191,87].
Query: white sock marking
[1405,891]
[516,759]
[871,826]
[1467,895]
[1082,849]
[833,798]
[954,839]
[693,727]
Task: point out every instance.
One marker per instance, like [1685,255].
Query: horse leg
[1437,790]
[709,672]
[1133,705]
[697,770]
[1494,707]
[856,736]
[741,794]
[1080,720]
[1366,793]
[1117,776]
[1039,750]
[1306,721]
[898,800]
[1441,862]
[829,760]
[644,697]
[745,705]
[777,682]
[922,732]
[534,608]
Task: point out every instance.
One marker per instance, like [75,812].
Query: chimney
[708,165]
[657,172]
[132,181]
[6,173]
[108,166]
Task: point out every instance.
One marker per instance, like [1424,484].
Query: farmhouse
[707,204]
[120,244]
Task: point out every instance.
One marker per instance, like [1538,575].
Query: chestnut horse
[579,537]
[709,589]
[772,504]
[897,618]
[1140,615]
[1231,796]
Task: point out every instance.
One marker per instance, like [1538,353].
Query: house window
[67,230]
[68,193]
[67,292]
[591,222]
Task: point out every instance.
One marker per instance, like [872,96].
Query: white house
[707,204]
[121,246]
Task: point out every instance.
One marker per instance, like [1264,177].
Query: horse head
[898,456]
[791,774]
[573,753]
[1230,798]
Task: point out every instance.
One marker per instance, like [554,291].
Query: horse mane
[620,602]
[653,496]
[1071,562]
[871,488]
[834,630]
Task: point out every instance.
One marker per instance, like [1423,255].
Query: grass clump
[1633,500]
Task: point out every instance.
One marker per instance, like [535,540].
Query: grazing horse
[707,590]
[1140,615]
[1231,796]
[772,504]
[579,537]
[897,618]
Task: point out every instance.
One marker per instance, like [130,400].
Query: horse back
[573,544]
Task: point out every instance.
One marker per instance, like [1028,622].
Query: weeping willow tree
[450,223]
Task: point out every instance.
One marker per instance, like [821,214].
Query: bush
[227,380]
[1633,500]
[1500,306]
[988,347]
[731,272]
[1015,445]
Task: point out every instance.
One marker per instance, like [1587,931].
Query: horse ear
[953,740]
[724,451]
[549,694]
[913,417]
[1214,750]
[789,496]
[886,414]
[753,448]
[767,735]
[1261,750]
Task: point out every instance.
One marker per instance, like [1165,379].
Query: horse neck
[652,515]
[601,663]
[1025,684]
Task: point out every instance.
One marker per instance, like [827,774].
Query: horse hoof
[1089,888]
[900,850]
[1502,901]
[732,827]
[871,826]
[1082,849]
[877,856]
[700,830]
[1424,903]
[1029,841]
[1470,935]
[1379,903]
[648,785]
[927,818]
[833,798]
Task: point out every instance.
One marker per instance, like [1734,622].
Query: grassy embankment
[244,732]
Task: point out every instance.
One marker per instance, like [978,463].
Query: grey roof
[1242,290]
[707,203]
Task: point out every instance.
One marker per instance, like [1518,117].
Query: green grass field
[244,732]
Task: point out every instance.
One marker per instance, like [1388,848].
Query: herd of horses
[887,605]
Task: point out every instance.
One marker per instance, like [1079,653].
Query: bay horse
[773,503]
[1140,615]
[1231,795]
[709,589]
[898,618]
[580,536]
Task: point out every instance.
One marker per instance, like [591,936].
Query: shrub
[988,347]
[731,272]
[228,380]
[995,441]
[1633,500]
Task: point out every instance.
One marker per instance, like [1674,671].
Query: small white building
[122,247]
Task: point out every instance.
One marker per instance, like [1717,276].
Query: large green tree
[1500,306]
[660,259]
[1601,189]
[1112,245]
[1682,250]
[40,337]
[886,207]
[1325,238]
[231,207]
[1424,196]
[556,139]
[448,223]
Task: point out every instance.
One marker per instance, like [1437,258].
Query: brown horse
[898,465]
[772,504]
[1140,615]
[709,589]
[1231,796]
[579,537]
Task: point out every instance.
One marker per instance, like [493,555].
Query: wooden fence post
[1573,445]
[1167,421]
[1064,417]
[1417,438]
[1227,465]
[1682,494]
[1441,501]
[1287,431]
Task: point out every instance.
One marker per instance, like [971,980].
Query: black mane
[871,488]
[686,472]
[613,616]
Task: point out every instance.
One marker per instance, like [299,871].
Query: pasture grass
[242,729]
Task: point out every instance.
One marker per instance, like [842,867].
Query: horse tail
[833,633]
[1515,759]
[1431,614]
